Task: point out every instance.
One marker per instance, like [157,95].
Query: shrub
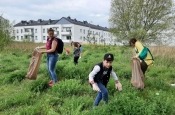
[69,88]
[15,76]
[39,85]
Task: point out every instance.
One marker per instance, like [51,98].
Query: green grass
[73,95]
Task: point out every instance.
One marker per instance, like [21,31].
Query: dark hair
[132,40]
[50,30]
[79,44]
[75,44]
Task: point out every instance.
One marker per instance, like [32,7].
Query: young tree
[5,32]
[143,19]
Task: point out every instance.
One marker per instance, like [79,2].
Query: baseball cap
[109,57]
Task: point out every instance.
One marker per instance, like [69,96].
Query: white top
[96,69]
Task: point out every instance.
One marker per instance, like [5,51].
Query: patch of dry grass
[163,51]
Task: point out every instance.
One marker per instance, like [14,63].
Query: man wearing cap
[99,78]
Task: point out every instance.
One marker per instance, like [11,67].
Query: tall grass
[73,95]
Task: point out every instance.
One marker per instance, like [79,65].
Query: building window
[21,37]
[35,30]
[21,31]
[57,33]
[17,31]
[36,38]
[43,30]
[80,30]
[17,37]
[44,37]
[84,31]
[84,38]
[80,37]
[68,37]
[26,30]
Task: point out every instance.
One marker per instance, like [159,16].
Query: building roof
[38,22]
[86,24]
[51,22]
[1,17]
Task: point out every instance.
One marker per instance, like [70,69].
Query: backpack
[144,53]
[60,46]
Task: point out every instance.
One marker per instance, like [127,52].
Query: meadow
[73,95]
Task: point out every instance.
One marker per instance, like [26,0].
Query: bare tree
[91,38]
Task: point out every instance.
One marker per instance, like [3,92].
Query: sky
[94,11]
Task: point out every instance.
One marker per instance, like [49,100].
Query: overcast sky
[95,11]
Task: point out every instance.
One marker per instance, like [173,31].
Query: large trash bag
[137,79]
[34,65]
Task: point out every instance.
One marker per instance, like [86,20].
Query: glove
[95,87]
[118,86]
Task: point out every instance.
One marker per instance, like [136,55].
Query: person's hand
[136,57]
[95,87]
[37,47]
[39,51]
[118,86]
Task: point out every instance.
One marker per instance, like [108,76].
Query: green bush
[39,85]
[76,105]
[72,95]
[69,88]
[12,100]
[15,76]
[157,83]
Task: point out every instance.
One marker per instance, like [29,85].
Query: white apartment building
[65,28]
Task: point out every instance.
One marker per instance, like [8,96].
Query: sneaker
[173,85]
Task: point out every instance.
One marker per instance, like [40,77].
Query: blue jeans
[101,95]
[51,64]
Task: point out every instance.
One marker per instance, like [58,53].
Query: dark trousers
[144,66]
[76,60]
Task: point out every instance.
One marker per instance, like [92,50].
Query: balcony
[66,33]
[29,33]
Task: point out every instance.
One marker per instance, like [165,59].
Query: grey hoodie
[76,52]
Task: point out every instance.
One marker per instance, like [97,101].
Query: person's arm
[91,78]
[95,70]
[53,48]
[114,76]
[41,47]
[74,50]
[117,82]
[140,47]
